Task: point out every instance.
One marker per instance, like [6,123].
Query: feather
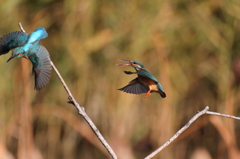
[135,87]
[41,67]
[38,34]
[12,40]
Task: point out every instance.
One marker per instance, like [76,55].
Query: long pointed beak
[124,60]
[11,58]
[124,64]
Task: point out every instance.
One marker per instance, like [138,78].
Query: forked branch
[204,111]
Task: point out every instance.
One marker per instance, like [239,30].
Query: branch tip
[21,27]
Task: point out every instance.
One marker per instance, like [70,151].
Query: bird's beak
[128,64]
[11,58]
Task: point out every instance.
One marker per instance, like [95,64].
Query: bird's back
[38,34]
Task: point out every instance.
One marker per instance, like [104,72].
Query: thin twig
[178,133]
[223,115]
[81,110]
[204,111]
[21,27]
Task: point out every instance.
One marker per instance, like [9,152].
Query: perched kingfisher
[26,45]
[144,83]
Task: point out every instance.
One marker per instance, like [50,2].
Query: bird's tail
[162,94]
[161,91]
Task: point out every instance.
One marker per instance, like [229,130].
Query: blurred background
[191,47]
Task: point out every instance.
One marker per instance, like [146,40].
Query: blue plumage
[26,45]
[12,40]
[38,34]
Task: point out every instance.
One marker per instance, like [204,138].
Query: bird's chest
[22,55]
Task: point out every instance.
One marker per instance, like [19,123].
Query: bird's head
[17,52]
[135,64]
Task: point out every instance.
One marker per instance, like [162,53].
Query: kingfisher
[27,46]
[145,81]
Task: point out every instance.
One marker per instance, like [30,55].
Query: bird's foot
[148,93]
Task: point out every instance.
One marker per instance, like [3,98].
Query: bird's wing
[12,40]
[41,67]
[135,87]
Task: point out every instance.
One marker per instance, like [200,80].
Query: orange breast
[148,82]
[22,55]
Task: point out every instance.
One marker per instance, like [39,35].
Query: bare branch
[20,26]
[223,115]
[178,133]
[205,111]
[81,110]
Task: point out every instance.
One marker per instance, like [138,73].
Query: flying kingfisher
[26,45]
[144,83]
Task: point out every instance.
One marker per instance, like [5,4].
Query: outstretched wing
[41,67]
[12,40]
[135,87]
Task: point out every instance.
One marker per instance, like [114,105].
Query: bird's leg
[147,94]
[129,72]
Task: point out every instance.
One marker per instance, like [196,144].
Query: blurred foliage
[191,47]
